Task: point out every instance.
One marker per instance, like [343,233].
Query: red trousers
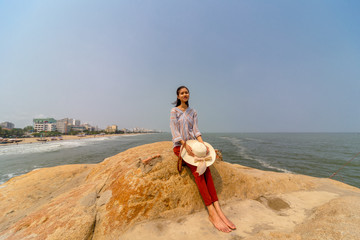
[204,182]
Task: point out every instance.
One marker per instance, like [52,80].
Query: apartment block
[63,126]
[112,129]
[7,125]
[44,124]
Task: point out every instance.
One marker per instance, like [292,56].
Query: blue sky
[251,66]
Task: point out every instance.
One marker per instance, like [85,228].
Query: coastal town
[51,129]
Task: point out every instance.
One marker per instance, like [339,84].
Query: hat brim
[191,160]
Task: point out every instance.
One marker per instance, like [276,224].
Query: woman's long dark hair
[178,102]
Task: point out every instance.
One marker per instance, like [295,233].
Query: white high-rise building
[76,122]
[44,124]
[63,125]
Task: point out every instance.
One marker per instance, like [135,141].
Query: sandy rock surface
[138,194]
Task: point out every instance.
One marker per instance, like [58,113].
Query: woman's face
[184,95]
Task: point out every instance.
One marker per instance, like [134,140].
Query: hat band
[198,159]
[201,168]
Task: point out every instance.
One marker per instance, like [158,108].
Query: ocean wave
[242,151]
[49,146]
[5,177]
[255,140]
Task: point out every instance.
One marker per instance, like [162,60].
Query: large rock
[139,194]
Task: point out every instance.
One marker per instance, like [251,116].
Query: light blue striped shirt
[183,125]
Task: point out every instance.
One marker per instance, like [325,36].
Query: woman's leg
[202,185]
[230,224]
[176,151]
[208,193]
[216,220]
[210,185]
[204,182]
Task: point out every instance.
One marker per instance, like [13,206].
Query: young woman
[184,126]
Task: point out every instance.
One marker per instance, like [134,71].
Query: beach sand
[64,137]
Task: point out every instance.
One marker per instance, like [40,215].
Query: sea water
[313,154]
[19,159]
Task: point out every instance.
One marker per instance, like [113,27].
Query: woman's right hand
[189,150]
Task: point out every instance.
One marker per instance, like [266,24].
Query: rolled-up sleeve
[196,130]
[174,126]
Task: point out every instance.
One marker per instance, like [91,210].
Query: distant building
[76,122]
[89,127]
[44,124]
[63,126]
[50,127]
[111,129]
[124,130]
[78,128]
[141,130]
[7,125]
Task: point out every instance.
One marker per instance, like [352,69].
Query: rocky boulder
[133,194]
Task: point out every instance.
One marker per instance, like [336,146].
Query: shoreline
[63,138]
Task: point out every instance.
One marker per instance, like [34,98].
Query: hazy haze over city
[251,66]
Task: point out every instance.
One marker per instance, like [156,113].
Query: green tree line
[15,132]
[29,131]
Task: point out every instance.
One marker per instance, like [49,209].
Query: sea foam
[243,152]
[51,146]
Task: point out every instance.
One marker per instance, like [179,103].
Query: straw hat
[199,151]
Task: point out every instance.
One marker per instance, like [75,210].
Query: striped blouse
[183,125]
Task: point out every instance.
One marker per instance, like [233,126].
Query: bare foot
[216,220]
[230,224]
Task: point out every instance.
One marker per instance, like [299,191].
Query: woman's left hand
[207,150]
[199,138]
